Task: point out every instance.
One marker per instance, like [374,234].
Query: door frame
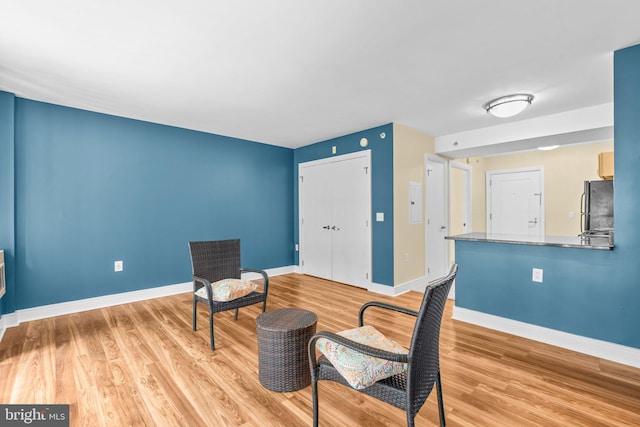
[490,174]
[323,161]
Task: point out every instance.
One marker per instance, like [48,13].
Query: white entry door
[335,215]
[515,203]
[437,248]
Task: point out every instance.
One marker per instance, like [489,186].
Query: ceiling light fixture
[508,106]
[548,147]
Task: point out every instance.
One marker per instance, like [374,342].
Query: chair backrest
[216,260]
[424,352]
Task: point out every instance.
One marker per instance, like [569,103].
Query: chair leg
[264,305]
[213,347]
[440,401]
[314,398]
[195,314]
[236,316]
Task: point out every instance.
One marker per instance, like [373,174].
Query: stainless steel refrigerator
[597,208]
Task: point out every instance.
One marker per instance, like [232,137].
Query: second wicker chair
[212,261]
[409,389]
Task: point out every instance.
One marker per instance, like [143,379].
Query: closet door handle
[326,227]
[335,228]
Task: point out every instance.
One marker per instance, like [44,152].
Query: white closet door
[335,219]
[351,232]
[316,221]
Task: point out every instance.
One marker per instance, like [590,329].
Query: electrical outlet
[536,276]
[406,258]
[118,266]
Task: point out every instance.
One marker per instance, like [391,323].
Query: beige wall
[409,148]
[565,170]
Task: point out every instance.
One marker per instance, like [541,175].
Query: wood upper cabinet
[605,165]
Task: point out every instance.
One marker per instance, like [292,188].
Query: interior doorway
[460,212]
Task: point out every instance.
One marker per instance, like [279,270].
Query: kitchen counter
[592,242]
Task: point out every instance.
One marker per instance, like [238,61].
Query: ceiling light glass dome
[508,106]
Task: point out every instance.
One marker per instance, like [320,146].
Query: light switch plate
[117,266]
[380,216]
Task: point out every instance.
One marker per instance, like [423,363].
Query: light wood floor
[141,364]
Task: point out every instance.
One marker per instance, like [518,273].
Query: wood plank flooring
[140,364]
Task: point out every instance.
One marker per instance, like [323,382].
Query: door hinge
[366,170]
[301,178]
[302,263]
[366,222]
[490,216]
[366,275]
[540,197]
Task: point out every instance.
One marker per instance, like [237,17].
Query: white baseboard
[7,321]
[381,289]
[420,285]
[393,291]
[10,320]
[279,271]
[52,310]
[602,349]
[60,309]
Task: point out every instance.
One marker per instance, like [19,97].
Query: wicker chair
[216,260]
[410,389]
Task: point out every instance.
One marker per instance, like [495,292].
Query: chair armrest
[361,348]
[205,283]
[265,277]
[383,305]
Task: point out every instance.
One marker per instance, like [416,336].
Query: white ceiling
[291,72]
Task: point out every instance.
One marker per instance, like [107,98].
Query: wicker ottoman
[283,335]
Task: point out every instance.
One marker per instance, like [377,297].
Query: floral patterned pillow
[228,289]
[360,370]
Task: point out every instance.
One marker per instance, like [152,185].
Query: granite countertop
[592,242]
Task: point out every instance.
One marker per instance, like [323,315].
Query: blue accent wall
[381,189]
[93,188]
[7,197]
[591,293]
